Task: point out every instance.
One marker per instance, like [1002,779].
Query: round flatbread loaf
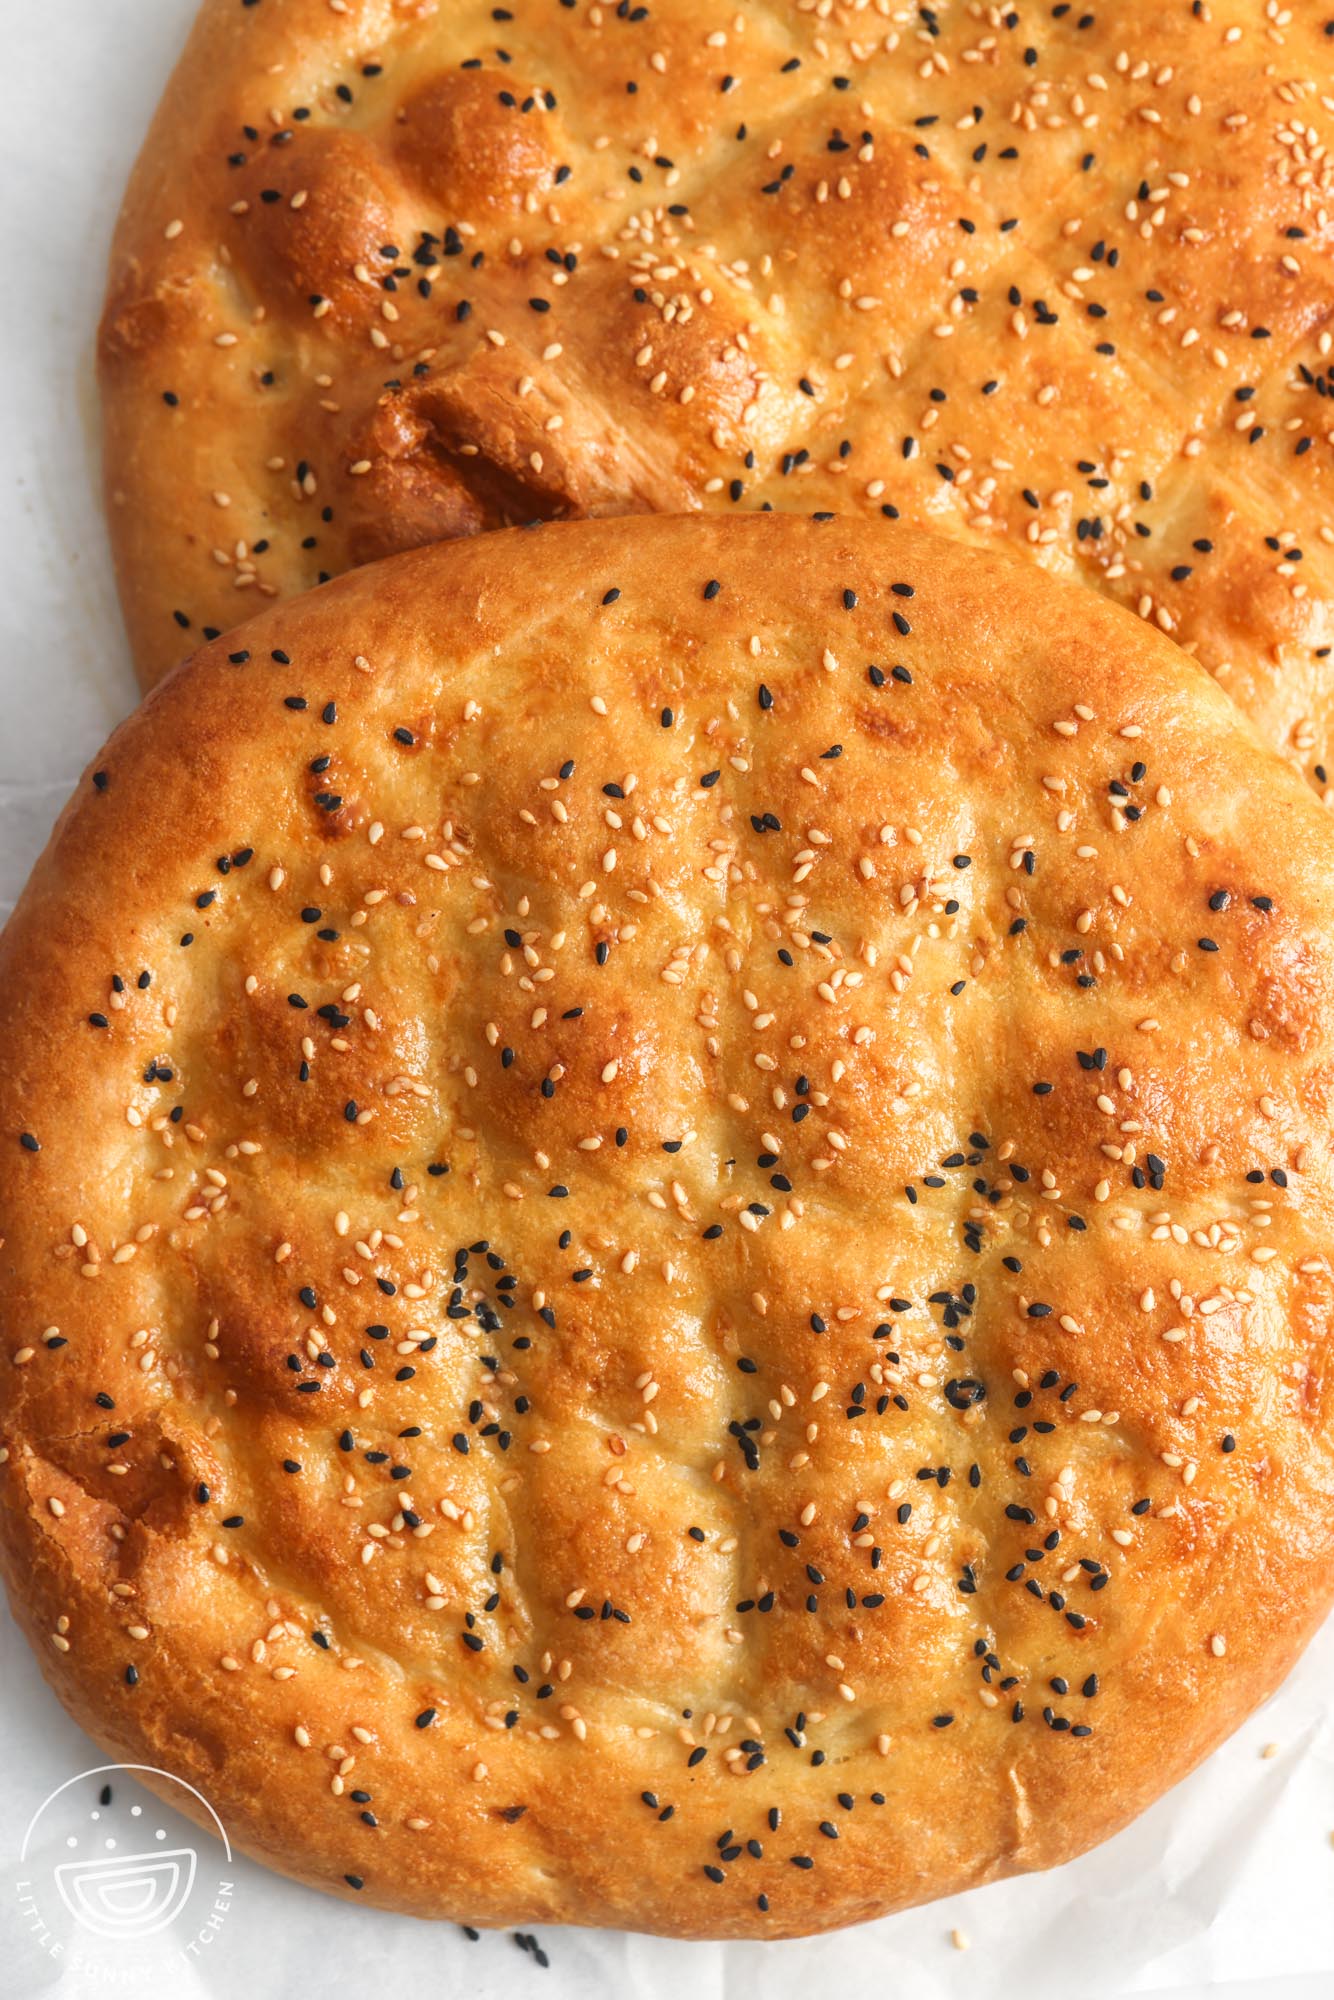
[1044,277]
[666,1198]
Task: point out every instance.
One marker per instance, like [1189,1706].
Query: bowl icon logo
[116,1879]
[127,1895]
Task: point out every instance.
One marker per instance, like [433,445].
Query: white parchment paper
[1226,1886]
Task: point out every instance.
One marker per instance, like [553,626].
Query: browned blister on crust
[666,1201]
[1058,283]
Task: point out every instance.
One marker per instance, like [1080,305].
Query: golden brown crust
[1061,281]
[872,1002]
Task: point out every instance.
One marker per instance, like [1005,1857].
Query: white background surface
[1226,1887]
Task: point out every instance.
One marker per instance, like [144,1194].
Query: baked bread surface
[666,1209]
[1057,278]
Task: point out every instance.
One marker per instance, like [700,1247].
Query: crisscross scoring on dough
[720,1204]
